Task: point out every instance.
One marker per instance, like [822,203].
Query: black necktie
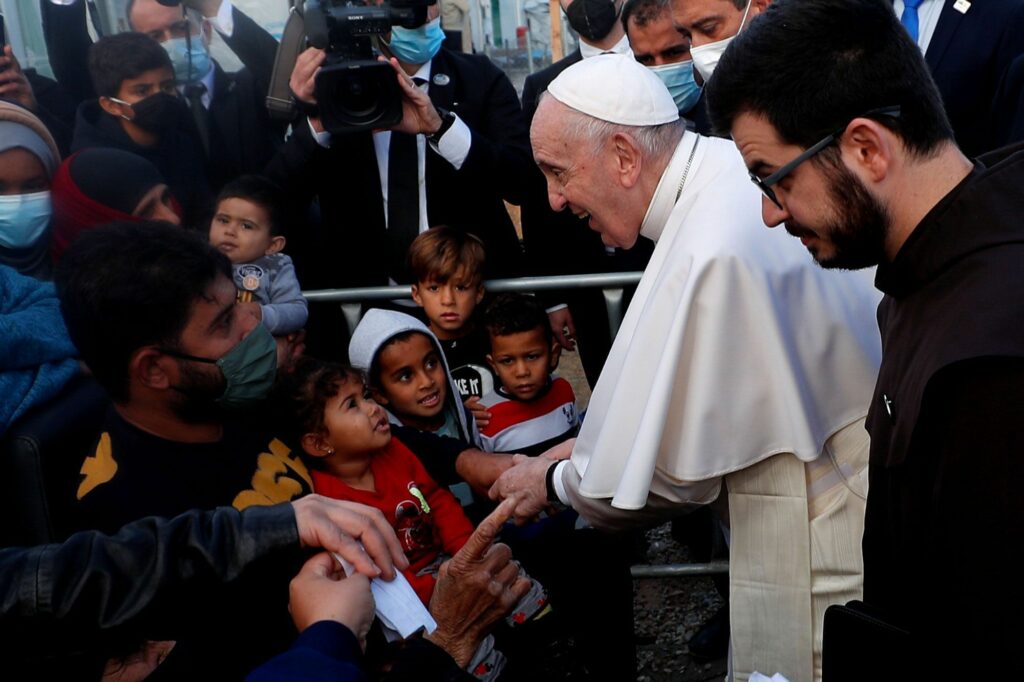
[194,94]
[403,198]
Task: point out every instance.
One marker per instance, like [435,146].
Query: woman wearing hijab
[97,186]
[28,160]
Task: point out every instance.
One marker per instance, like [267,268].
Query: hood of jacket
[375,329]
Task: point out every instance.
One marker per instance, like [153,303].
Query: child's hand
[480,413]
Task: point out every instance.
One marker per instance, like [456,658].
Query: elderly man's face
[658,41]
[580,177]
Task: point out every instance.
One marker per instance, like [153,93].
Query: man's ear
[868,148]
[480,292]
[556,353]
[490,361]
[152,369]
[416,295]
[314,445]
[759,6]
[628,159]
[276,244]
[111,107]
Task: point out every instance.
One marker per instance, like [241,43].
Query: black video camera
[354,91]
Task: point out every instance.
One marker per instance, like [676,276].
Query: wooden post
[555,12]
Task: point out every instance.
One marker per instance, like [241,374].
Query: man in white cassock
[742,372]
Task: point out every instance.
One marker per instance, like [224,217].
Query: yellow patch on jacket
[99,468]
[280,477]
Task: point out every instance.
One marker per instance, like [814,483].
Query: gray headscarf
[14,135]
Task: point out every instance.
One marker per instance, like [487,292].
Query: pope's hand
[524,483]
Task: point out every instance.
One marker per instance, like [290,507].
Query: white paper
[398,606]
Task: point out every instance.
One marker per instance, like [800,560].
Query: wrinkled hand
[475,588]
[303,78]
[14,85]
[480,413]
[524,484]
[418,112]
[355,531]
[320,591]
[563,328]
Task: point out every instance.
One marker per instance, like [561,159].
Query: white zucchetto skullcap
[615,88]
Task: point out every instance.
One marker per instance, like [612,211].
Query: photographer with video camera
[392,149]
[230,118]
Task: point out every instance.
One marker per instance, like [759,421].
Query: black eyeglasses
[765,185]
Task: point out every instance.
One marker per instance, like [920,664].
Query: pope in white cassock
[741,369]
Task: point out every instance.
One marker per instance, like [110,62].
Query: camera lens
[358,95]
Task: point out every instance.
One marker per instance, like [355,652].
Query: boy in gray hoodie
[408,375]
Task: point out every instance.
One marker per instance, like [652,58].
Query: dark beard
[199,392]
[859,230]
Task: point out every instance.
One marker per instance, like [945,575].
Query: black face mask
[592,19]
[158,112]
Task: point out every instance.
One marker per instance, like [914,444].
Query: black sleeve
[56,108]
[93,587]
[254,47]
[972,426]
[324,651]
[530,97]
[67,45]
[417,660]
[500,150]
[1008,110]
[437,453]
[299,165]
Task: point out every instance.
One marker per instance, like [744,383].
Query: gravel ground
[667,612]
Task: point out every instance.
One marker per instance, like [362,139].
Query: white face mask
[705,57]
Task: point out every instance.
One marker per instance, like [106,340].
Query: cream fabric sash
[796,530]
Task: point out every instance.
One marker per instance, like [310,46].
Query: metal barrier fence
[611,284]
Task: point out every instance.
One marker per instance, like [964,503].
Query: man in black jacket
[157,575]
[856,157]
[459,151]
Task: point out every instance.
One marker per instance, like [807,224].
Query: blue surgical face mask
[24,218]
[185,70]
[417,45]
[678,78]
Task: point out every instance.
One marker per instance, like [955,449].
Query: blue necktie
[909,18]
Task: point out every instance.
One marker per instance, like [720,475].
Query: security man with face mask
[228,111]
[665,50]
